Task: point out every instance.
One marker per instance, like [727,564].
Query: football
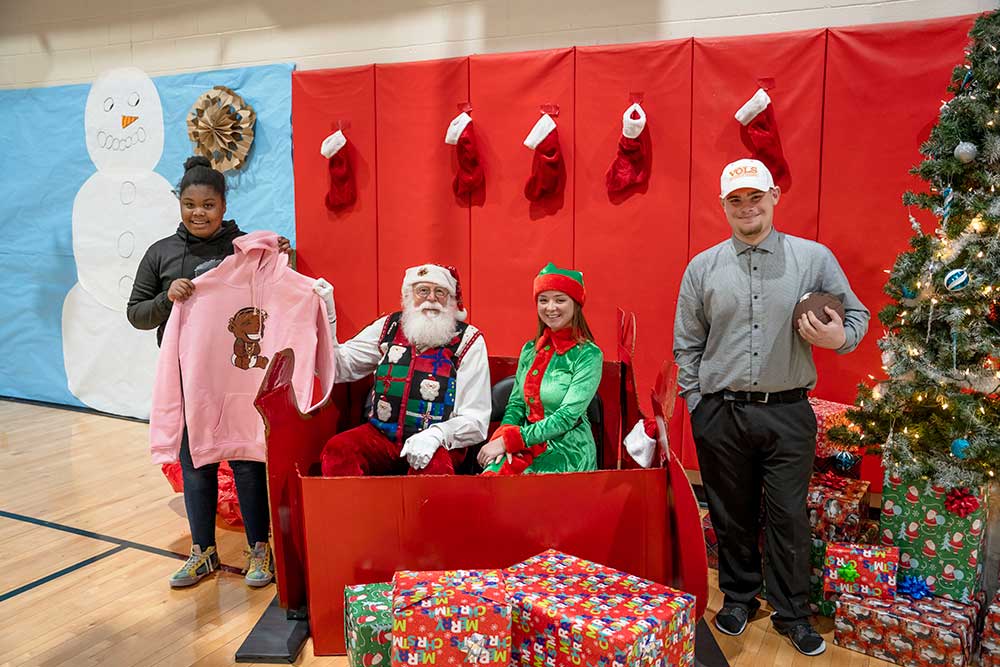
[816,302]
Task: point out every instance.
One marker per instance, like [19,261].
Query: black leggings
[201,497]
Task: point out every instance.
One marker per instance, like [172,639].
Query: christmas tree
[938,414]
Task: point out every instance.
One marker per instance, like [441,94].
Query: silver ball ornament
[966,152]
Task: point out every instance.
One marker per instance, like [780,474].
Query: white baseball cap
[746,173]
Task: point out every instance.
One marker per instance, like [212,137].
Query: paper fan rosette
[220,124]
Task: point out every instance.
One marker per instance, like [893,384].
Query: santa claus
[431,395]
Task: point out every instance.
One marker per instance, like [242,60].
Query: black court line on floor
[121,545]
[66,570]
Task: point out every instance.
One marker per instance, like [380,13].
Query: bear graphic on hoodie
[215,342]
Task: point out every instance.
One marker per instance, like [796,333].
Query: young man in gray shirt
[745,369]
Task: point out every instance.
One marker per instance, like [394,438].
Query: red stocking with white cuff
[547,163]
[631,165]
[757,118]
[343,190]
[462,135]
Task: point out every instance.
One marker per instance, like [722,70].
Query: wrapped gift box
[861,569]
[920,633]
[368,624]
[837,506]
[828,414]
[449,617]
[568,611]
[990,654]
[711,541]
[820,601]
[934,543]
[556,562]
[868,532]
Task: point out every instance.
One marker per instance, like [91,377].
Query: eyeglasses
[424,291]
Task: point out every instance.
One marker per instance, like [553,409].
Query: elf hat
[442,276]
[551,277]
[745,173]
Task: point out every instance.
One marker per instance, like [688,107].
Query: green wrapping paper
[368,624]
[941,547]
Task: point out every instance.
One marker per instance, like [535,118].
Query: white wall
[48,42]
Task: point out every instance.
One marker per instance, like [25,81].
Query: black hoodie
[182,255]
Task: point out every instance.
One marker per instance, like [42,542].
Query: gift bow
[831,480]
[849,572]
[913,587]
[961,502]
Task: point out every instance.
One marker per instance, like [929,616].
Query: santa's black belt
[787,396]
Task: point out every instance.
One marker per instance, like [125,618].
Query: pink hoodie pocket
[239,421]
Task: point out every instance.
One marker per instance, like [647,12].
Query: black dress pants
[747,449]
[201,497]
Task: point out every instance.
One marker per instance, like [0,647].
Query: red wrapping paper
[450,617]
[571,612]
[865,570]
[917,633]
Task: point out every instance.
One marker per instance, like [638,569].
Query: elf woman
[545,426]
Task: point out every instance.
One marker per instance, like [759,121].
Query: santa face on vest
[429,320]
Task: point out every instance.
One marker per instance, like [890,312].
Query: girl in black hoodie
[201,242]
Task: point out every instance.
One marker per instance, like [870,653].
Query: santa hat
[551,277]
[440,275]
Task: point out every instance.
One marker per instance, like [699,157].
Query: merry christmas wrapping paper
[917,633]
[368,624]
[450,617]
[935,544]
[861,569]
[569,611]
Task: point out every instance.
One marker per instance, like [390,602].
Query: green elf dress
[545,427]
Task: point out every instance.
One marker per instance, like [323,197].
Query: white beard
[427,327]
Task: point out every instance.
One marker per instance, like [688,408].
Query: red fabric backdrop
[512,238]
[415,167]
[342,246]
[633,250]
[852,106]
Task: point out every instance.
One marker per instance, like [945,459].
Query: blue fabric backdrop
[44,162]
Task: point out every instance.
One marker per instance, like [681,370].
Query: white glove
[324,290]
[419,448]
[640,446]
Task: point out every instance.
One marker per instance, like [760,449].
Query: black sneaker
[804,638]
[732,620]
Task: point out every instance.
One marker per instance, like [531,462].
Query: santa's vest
[414,390]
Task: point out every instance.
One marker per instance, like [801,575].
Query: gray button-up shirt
[734,328]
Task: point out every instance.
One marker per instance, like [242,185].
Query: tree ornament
[844,461]
[961,502]
[966,152]
[221,126]
[956,280]
[959,447]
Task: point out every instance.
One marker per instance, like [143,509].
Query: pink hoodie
[220,340]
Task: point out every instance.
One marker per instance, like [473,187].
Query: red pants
[364,450]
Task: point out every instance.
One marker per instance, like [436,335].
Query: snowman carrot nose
[128,120]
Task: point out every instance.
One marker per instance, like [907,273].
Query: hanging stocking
[547,163]
[470,171]
[760,130]
[343,191]
[631,164]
